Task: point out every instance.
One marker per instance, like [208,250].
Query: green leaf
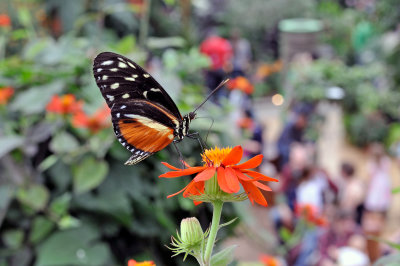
[224,257]
[9,143]
[63,142]
[89,174]
[60,175]
[13,238]
[41,227]
[6,194]
[35,99]
[285,234]
[125,45]
[396,190]
[78,246]
[35,196]
[68,222]
[60,205]
[48,162]
[228,223]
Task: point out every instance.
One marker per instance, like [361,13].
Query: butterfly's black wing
[121,80]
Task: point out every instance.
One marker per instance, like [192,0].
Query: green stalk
[217,205]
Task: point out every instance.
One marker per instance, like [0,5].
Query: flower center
[214,156]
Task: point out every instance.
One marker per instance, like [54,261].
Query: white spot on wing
[99,69]
[146,75]
[106,63]
[114,69]
[135,76]
[122,65]
[110,97]
[131,65]
[155,90]
[105,77]
[125,96]
[114,86]
[123,106]
[118,115]
[145,94]
[121,59]
[130,79]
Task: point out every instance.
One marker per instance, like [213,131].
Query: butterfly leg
[196,135]
[179,152]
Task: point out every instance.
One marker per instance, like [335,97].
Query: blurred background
[314,86]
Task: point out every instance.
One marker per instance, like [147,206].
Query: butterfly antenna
[211,94]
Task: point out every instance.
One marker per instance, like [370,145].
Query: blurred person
[292,132]
[352,192]
[312,188]
[241,53]
[219,50]
[354,253]
[379,185]
[293,171]
[252,131]
[338,235]
[378,197]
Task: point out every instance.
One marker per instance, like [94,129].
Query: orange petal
[252,163]
[183,172]
[176,193]
[194,188]
[222,180]
[232,180]
[262,186]
[254,193]
[242,176]
[233,157]
[205,175]
[259,176]
[170,166]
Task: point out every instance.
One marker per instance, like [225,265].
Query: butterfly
[144,117]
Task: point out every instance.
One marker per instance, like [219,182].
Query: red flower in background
[5,20]
[310,214]
[5,94]
[218,49]
[230,174]
[95,122]
[144,263]
[241,83]
[66,104]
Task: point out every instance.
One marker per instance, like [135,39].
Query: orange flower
[5,20]
[277,66]
[66,104]
[309,213]
[94,123]
[268,260]
[224,163]
[241,83]
[5,94]
[144,263]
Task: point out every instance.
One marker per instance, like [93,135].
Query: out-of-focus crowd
[346,211]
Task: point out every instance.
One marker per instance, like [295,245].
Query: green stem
[213,231]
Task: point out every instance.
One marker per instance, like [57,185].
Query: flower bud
[191,231]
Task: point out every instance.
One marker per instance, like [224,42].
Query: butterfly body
[144,117]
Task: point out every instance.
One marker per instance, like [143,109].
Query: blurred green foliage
[65,196]
[369,97]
